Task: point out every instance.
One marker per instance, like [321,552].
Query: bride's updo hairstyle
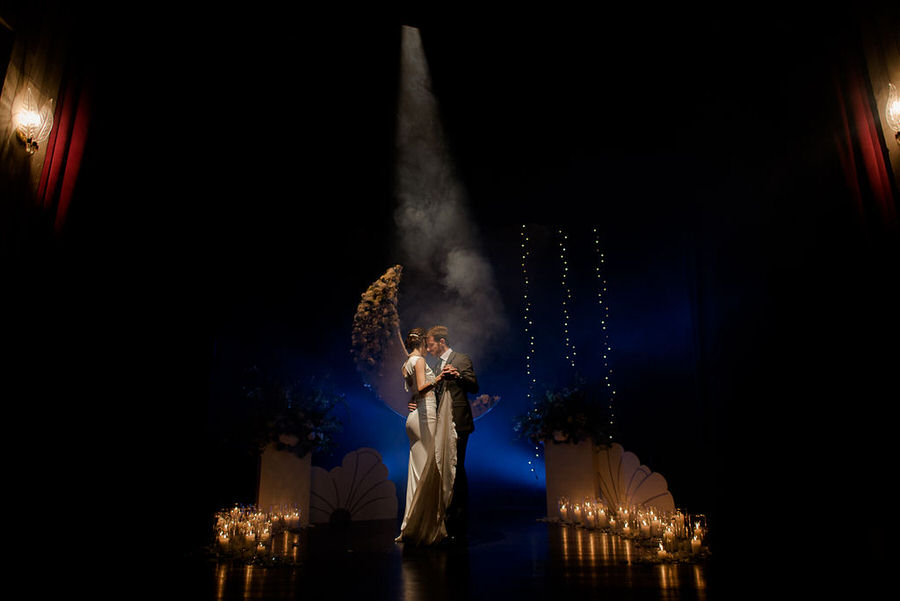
[415,339]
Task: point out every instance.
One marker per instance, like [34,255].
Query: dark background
[241,200]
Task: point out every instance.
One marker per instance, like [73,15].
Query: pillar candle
[661,554]
[668,536]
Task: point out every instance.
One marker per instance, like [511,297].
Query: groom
[459,380]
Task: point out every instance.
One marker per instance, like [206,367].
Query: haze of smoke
[447,279]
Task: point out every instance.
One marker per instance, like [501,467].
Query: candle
[601,519]
[645,529]
[625,529]
[695,545]
[577,514]
[668,536]
[698,531]
[563,504]
[293,519]
[661,554]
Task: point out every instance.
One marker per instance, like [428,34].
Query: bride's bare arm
[421,383]
[402,344]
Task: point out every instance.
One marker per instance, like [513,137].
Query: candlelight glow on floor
[510,554]
[248,534]
[654,536]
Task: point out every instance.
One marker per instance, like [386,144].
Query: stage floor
[508,556]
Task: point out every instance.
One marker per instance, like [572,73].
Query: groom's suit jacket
[459,388]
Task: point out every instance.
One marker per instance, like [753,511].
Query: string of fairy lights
[529,336]
[568,344]
[567,298]
[604,308]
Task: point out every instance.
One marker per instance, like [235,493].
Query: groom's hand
[412,406]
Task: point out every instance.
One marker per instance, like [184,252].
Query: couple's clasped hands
[449,373]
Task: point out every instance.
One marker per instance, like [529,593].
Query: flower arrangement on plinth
[569,415]
[294,417]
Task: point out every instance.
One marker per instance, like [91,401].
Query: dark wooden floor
[508,557]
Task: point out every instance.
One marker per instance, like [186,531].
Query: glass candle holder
[563,505]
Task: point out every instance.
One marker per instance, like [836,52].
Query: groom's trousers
[458,510]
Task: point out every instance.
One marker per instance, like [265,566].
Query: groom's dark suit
[459,389]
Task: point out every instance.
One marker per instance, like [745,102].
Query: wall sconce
[32,122]
[892,111]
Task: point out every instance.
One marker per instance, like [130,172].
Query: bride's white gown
[432,462]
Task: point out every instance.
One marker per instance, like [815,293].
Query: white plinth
[284,479]
[571,471]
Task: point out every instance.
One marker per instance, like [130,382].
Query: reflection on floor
[515,557]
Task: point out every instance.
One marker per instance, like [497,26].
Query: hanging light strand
[529,337]
[569,346]
[604,322]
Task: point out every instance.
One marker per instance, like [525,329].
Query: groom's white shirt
[443,359]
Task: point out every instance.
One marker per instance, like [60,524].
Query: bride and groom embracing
[438,426]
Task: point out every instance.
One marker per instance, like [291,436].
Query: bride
[432,449]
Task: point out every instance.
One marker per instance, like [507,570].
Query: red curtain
[862,154]
[65,147]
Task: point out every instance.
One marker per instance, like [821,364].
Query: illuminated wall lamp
[32,122]
[892,111]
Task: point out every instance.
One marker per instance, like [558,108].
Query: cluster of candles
[244,529]
[677,535]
